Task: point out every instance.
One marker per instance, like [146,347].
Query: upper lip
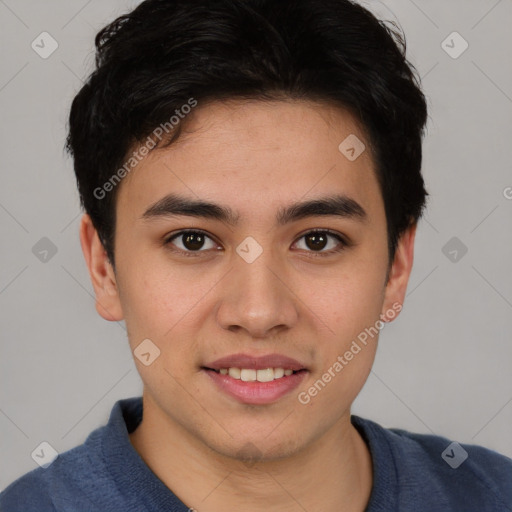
[256,362]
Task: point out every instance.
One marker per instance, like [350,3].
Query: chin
[251,450]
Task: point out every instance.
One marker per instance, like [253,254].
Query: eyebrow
[336,205]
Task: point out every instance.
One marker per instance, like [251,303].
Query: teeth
[278,373]
[266,375]
[248,375]
[251,375]
[234,372]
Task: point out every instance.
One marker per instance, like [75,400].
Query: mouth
[256,380]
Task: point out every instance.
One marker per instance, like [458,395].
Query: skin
[214,452]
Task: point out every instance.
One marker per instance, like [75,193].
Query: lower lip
[257,393]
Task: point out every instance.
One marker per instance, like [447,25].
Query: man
[251,176]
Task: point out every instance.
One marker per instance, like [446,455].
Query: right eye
[189,242]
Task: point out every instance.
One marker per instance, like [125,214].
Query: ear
[101,272]
[396,287]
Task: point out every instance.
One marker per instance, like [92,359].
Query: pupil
[318,241]
[193,241]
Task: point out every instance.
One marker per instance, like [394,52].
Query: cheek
[160,308]
[163,304]
[347,300]
[149,299]
[349,307]
[347,351]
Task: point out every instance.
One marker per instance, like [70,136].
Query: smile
[255,379]
[253,375]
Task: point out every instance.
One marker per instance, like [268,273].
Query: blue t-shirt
[412,472]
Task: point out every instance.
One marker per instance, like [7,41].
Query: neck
[332,474]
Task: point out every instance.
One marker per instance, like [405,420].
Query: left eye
[317,241]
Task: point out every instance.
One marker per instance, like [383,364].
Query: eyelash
[315,254]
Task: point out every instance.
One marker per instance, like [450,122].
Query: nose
[258,298]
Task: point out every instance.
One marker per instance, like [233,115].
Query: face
[285,268]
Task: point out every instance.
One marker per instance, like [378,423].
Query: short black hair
[165,53]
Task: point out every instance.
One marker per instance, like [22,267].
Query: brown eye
[191,241]
[317,241]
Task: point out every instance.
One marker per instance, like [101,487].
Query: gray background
[445,365]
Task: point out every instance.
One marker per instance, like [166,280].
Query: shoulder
[54,488]
[85,477]
[28,493]
[432,469]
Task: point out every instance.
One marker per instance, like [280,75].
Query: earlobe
[102,274]
[396,287]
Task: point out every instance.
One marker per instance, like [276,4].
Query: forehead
[257,156]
